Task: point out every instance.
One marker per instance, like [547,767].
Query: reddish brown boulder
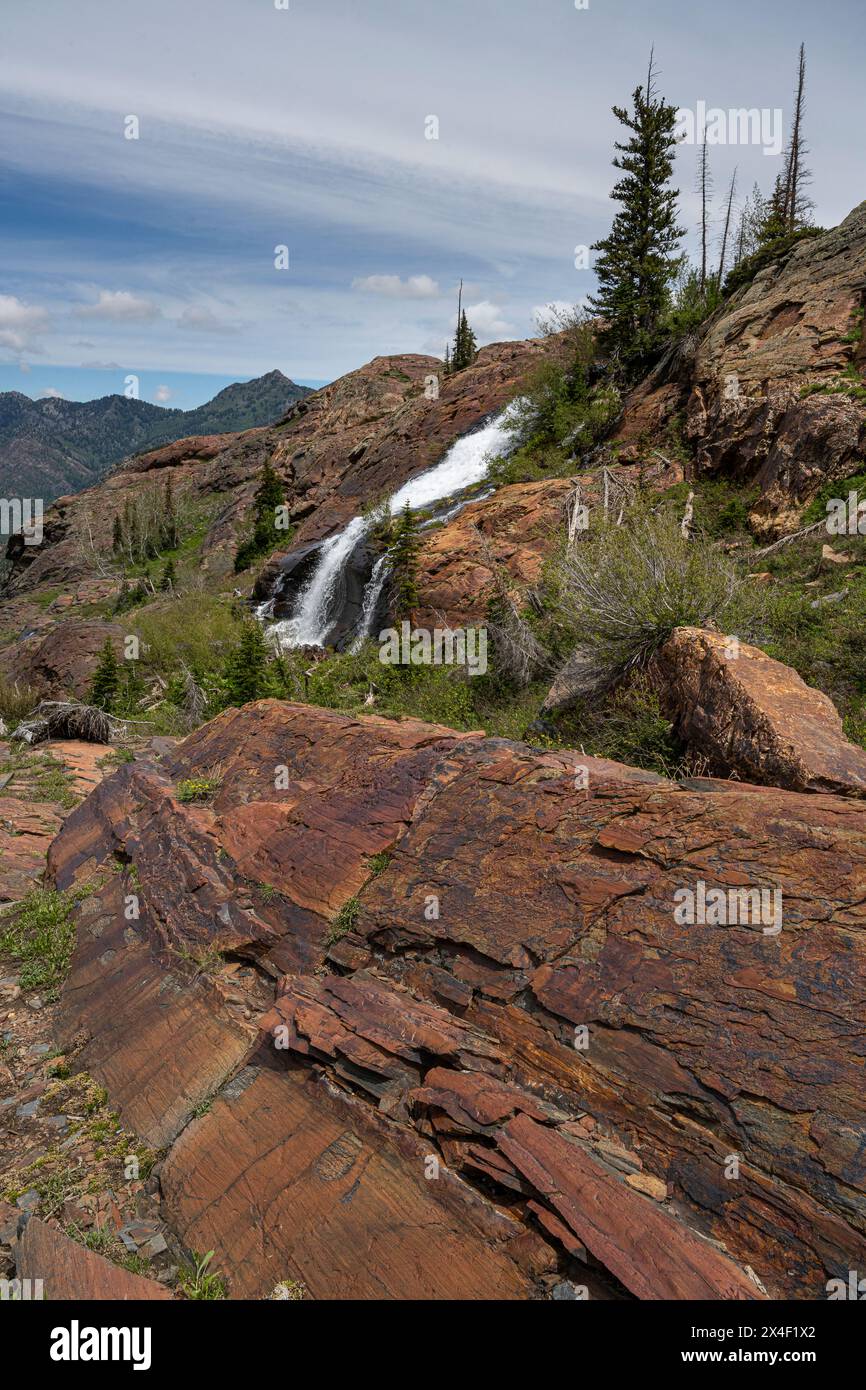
[532,992]
[60,665]
[753,716]
[513,531]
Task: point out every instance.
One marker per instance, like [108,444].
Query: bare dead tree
[721,271]
[704,186]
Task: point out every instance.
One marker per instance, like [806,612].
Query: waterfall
[465,463]
[372,594]
[312,619]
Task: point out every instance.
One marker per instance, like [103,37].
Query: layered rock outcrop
[457,1036]
[760,386]
[59,665]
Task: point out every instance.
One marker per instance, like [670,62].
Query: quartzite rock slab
[517,962]
[287,1180]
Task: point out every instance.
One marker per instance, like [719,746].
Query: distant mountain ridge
[52,447]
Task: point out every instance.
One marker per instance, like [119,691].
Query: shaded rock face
[513,1060]
[61,664]
[755,717]
[284,580]
[741,384]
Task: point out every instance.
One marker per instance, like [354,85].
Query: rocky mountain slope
[52,447]
[771,390]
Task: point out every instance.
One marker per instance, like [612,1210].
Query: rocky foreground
[412,1014]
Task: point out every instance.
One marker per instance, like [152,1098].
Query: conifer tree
[106,679]
[268,499]
[705,184]
[168,578]
[465,347]
[117,535]
[404,565]
[638,259]
[247,666]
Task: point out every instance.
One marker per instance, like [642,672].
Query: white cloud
[486,321]
[52,394]
[121,306]
[204,321]
[162,393]
[413,287]
[20,323]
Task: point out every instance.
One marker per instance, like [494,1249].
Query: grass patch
[40,935]
[197,1283]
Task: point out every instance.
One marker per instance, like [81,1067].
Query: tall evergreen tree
[797,204]
[268,499]
[465,348]
[638,259]
[705,184]
[106,679]
[404,565]
[247,665]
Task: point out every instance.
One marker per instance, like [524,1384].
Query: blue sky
[306,127]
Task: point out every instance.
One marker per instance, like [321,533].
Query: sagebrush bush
[623,589]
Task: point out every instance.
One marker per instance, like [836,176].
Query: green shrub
[197,788]
[623,589]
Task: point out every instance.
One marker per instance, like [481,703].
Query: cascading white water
[308,627]
[465,463]
[372,594]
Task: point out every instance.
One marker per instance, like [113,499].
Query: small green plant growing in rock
[195,1282]
[345,920]
[378,863]
[197,788]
